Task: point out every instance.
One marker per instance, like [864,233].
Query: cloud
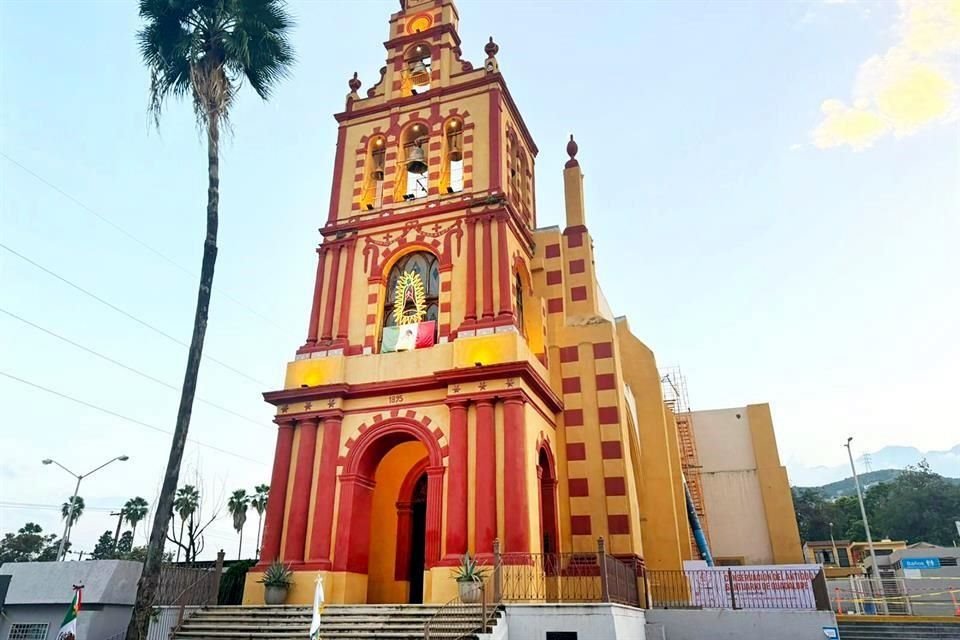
[910,86]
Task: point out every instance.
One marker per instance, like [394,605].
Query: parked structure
[843,558]
[464,381]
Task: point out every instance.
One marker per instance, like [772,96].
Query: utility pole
[833,543]
[116,536]
[863,512]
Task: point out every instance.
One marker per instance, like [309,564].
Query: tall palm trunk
[150,579]
[259,523]
[240,547]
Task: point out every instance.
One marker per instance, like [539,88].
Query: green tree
[125,545]
[135,510]
[29,544]
[186,503]
[261,493]
[918,506]
[72,509]
[202,49]
[104,550]
[238,504]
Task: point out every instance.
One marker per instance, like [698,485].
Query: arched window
[372,193]
[413,291]
[518,301]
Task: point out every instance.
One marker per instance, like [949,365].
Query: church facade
[463,380]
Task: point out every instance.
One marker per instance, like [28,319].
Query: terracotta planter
[274,595]
[470,592]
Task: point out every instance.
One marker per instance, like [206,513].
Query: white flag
[317,608]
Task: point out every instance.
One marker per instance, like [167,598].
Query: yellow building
[463,382]
[843,558]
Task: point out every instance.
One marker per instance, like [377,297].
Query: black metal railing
[735,588]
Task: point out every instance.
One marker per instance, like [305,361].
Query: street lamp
[833,543]
[73,501]
[863,509]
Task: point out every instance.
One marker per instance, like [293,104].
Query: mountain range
[946,463]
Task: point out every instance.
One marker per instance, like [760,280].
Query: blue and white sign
[831,632]
[920,563]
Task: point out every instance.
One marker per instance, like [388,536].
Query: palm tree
[259,502]
[72,509]
[203,49]
[238,504]
[186,503]
[135,510]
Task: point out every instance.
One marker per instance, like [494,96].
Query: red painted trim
[606,381]
[471,313]
[338,164]
[608,415]
[577,266]
[578,293]
[496,124]
[485,519]
[615,486]
[331,298]
[273,522]
[580,525]
[552,251]
[603,350]
[516,525]
[617,524]
[573,417]
[300,500]
[320,538]
[431,553]
[576,451]
[569,354]
[571,385]
[503,271]
[344,323]
[555,305]
[314,327]
[554,277]
[578,487]
[457,484]
[611,450]
[575,235]
[487,257]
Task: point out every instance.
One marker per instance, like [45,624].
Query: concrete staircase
[896,628]
[371,622]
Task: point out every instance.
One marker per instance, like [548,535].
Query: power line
[128,315]
[48,507]
[123,417]
[137,240]
[127,367]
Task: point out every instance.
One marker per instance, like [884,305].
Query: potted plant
[469,576]
[276,581]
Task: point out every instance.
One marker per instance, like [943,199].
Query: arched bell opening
[414,144]
[549,527]
[418,68]
[451,176]
[374,171]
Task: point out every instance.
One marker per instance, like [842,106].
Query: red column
[503,269]
[353,524]
[471,313]
[486,479]
[344,324]
[434,514]
[273,524]
[327,332]
[300,500]
[487,269]
[517,526]
[314,327]
[457,485]
[326,491]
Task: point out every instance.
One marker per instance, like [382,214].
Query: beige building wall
[746,496]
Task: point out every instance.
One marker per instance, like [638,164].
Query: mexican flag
[406,337]
[68,629]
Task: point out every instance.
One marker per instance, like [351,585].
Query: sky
[772,190]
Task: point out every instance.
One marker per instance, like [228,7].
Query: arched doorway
[388,524]
[546,471]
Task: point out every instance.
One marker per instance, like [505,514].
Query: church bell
[455,142]
[419,74]
[378,162]
[416,159]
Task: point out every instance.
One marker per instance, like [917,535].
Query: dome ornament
[572,149]
[354,83]
[491,48]
[490,64]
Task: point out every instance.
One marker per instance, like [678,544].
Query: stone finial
[572,149]
[354,83]
[491,48]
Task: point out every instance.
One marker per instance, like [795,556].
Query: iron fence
[895,595]
[737,588]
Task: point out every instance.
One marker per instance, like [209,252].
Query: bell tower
[423,378]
